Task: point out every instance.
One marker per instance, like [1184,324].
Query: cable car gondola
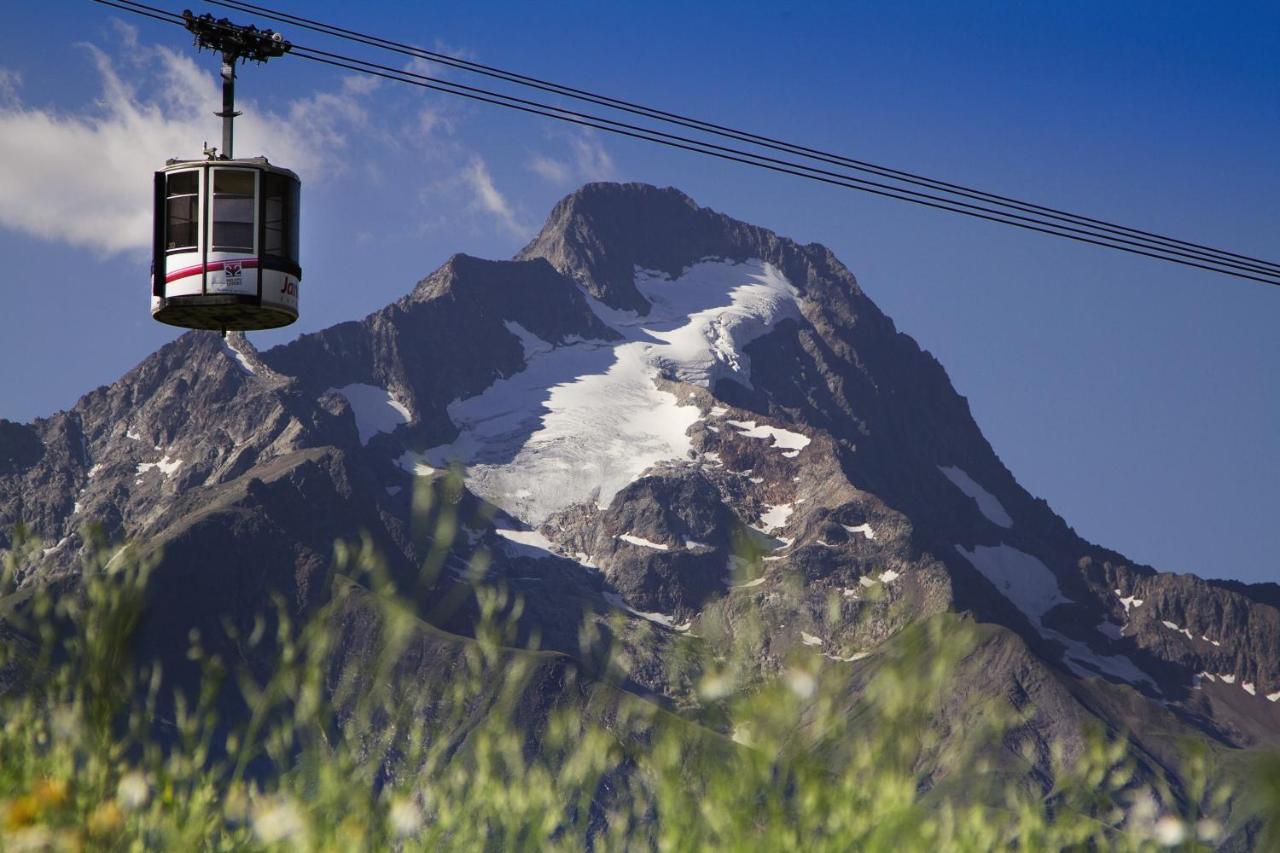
[225,248]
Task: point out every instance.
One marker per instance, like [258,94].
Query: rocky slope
[661,411]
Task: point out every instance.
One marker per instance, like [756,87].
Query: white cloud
[553,170]
[487,198]
[10,80]
[84,177]
[585,160]
[591,157]
[431,119]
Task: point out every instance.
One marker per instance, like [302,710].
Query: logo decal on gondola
[231,269]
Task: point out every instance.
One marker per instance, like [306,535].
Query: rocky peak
[660,410]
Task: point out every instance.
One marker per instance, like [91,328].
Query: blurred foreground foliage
[339,751]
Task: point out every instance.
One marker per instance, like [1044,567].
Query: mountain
[661,411]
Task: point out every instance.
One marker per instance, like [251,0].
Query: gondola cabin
[226,245]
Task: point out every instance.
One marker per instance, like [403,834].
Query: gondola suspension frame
[226,231]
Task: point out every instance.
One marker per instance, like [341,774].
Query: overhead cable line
[1266,273]
[786,167]
[721,130]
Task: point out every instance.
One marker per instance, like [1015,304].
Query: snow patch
[988,504]
[718,411]
[1019,576]
[1173,626]
[810,640]
[585,418]
[775,516]
[657,618]
[245,365]
[1127,602]
[866,581]
[376,409]
[783,439]
[1207,640]
[44,552]
[643,543]
[531,343]
[414,464]
[864,529]
[166,466]
[1250,688]
[526,543]
[849,658]
[889,575]
[1033,589]
[1274,697]
[1227,677]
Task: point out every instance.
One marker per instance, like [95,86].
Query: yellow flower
[51,793]
[105,820]
[21,812]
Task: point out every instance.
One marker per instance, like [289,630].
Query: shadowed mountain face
[660,410]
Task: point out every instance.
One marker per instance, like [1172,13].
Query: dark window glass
[280,217]
[275,226]
[294,208]
[232,211]
[181,211]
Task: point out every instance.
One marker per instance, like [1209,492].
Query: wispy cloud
[555,171]
[10,80]
[584,158]
[487,198]
[82,178]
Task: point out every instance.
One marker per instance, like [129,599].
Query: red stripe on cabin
[212,266]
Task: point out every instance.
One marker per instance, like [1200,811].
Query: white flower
[405,817]
[801,683]
[29,838]
[277,819]
[133,791]
[1170,831]
[715,687]
[1208,829]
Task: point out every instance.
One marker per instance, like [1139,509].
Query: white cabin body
[225,251]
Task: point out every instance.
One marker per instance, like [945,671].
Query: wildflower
[1208,829]
[133,791]
[30,838]
[21,812]
[1170,831]
[405,817]
[65,723]
[51,793]
[715,687]
[235,807]
[801,683]
[105,820]
[277,819]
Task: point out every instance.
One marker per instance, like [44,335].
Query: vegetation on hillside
[96,752]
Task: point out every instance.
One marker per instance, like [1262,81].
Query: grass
[376,730]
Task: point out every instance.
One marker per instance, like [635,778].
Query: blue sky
[1141,399]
